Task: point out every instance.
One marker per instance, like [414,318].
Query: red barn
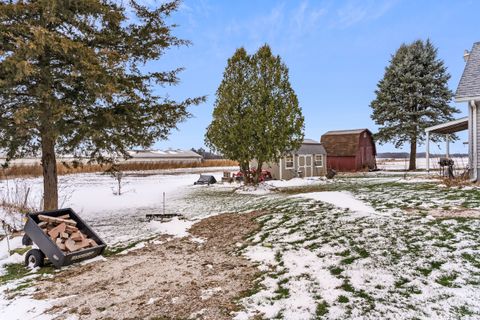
[350,150]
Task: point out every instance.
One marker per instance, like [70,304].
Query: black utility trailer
[48,248]
[205,179]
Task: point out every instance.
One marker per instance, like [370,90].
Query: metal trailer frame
[49,247]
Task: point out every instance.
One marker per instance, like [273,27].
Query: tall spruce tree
[412,96]
[73,80]
[256,113]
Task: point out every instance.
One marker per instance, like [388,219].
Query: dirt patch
[179,279]
[459,213]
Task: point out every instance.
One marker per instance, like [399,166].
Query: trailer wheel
[34,258]
[26,241]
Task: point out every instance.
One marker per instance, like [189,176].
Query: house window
[318,160]
[289,161]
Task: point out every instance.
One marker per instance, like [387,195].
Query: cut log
[71,229]
[55,232]
[70,245]
[56,220]
[64,235]
[93,243]
[42,224]
[83,244]
[77,236]
[65,216]
[60,244]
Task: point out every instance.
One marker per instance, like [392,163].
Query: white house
[468,91]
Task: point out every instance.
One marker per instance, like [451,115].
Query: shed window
[319,160]
[289,161]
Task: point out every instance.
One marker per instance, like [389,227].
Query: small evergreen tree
[73,80]
[412,96]
[256,113]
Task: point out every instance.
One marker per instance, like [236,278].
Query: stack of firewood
[63,231]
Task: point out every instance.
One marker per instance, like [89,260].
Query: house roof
[310,146]
[344,143]
[469,86]
[163,154]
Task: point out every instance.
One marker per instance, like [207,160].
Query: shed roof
[469,86]
[344,143]
[310,146]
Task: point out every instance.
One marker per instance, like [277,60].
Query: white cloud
[354,12]
[282,26]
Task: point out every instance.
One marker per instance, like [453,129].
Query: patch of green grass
[426,271]
[281,292]
[322,309]
[21,251]
[347,286]
[463,311]
[342,299]
[336,270]
[348,260]
[14,271]
[472,259]
[344,253]
[362,252]
[447,280]
[400,282]
[278,256]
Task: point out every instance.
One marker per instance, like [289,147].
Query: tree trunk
[258,172]
[245,169]
[50,180]
[413,154]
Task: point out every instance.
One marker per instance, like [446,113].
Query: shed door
[301,165]
[308,166]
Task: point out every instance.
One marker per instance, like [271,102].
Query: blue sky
[336,52]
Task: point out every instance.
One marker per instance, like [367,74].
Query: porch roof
[449,127]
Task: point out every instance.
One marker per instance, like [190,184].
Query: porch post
[447,145]
[427,151]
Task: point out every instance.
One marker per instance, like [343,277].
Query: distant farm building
[139,156]
[308,161]
[170,155]
[350,150]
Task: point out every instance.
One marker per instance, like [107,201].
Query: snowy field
[366,246]
[402,164]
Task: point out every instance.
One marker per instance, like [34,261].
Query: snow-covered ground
[402,164]
[361,246]
[366,248]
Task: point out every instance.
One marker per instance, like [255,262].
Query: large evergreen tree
[256,113]
[73,80]
[412,96]
[230,130]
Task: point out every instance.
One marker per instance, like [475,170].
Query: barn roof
[343,143]
[310,146]
[341,132]
[469,86]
